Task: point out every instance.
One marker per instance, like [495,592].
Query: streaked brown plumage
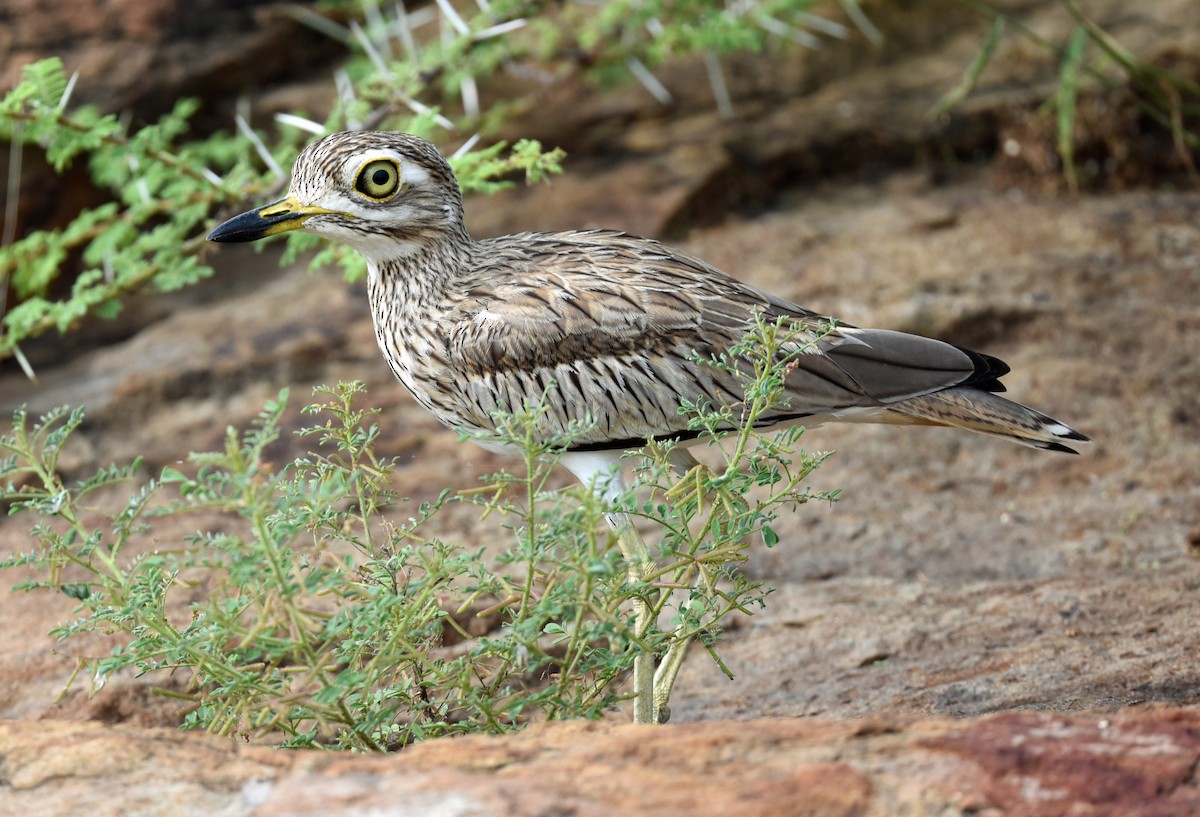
[607,326]
[615,321]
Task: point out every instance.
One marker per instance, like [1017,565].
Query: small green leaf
[79,592]
[170,474]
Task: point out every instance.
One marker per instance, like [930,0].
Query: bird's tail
[987,413]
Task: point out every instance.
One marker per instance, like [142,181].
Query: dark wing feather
[617,322]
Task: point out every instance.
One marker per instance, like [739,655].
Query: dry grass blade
[971,76]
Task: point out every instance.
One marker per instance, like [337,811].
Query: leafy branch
[165,199]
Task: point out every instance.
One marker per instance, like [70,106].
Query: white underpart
[600,472]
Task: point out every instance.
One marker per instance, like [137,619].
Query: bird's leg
[664,676]
[652,688]
[682,462]
[638,565]
[601,471]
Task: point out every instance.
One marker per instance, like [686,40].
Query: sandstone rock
[1035,764]
[142,56]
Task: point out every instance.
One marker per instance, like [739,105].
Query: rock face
[975,628]
[142,56]
[1030,764]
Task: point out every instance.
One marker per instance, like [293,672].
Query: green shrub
[323,617]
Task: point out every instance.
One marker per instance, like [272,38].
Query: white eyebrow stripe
[413,175]
[354,164]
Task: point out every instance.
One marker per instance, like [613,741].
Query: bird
[600,325]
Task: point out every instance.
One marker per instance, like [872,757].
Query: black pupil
[380,177]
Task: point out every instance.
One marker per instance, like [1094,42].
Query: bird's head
[387,195]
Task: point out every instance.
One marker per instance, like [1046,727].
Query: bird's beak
[281,217]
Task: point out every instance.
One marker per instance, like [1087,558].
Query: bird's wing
[621,324]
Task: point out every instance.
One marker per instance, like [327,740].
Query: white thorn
[740,7]
[466,147]
[242,108]
[423,16]
[23,362]
[259,147]
[782,29]
[369,48]
[861,20]
[498,29]
[66,94]
[377,61]
[448,10]
[420,107]
[377,25]
[649,81]
[716,78]
[317,22]
[304,124]
[142,188]
[470,96]
[830,28]
[345,88]
[345,92]
[404,27]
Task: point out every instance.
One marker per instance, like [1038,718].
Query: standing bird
[609,327]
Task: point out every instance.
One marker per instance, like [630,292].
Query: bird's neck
[417,273]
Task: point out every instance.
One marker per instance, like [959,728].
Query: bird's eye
[378,179]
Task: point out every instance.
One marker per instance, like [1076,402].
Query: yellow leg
[682,462]
[637,560]
[664,677]
[651,689]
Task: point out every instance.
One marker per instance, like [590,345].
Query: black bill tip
[253,225]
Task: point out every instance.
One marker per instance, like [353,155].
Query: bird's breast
[411,333]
